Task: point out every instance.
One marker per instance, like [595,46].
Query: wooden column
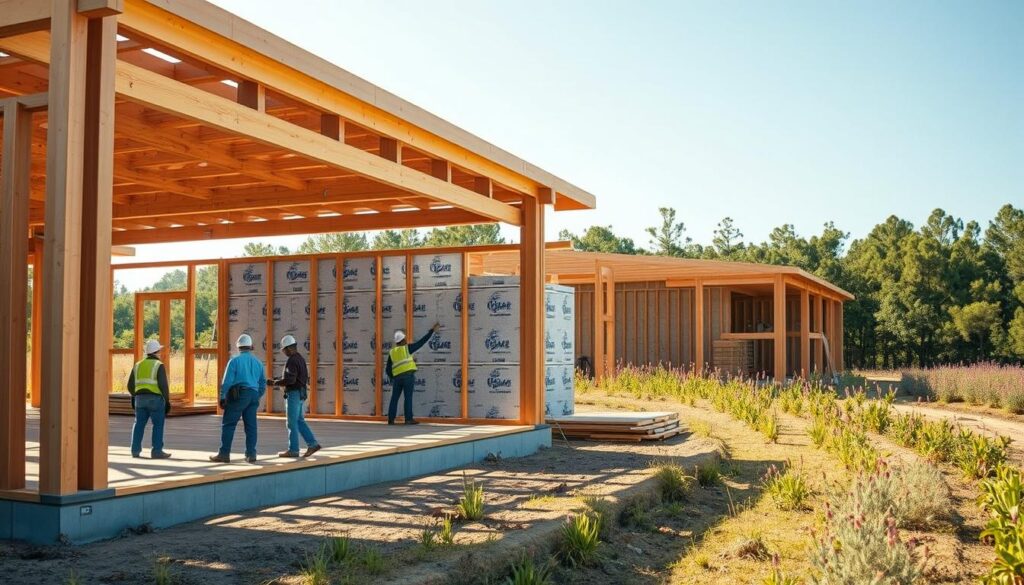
[531,327]
[698,328]
[190,336]
[805,333]
[600,369]
[840,361]
[14,195]
[819,345]
[97,197]
[37,318]
[779,328]
[65,139]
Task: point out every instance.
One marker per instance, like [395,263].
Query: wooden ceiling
[172,171]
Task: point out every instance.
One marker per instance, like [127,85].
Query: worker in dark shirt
[401,369]
[295,380]
[151,400]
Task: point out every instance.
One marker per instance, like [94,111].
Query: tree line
[944,292]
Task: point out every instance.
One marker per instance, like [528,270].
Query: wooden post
[608,282]
[598,313]
[37,319]
[805,333]
[252,95]
[190,336]
[819,345]
[96,294]
[698,328]
[331,126]
[268,351]
[531,327]
[779,328]
[314,322]
[223,343]
[390,149]
[378,326]
[14,196]
[838,348]
[65,138]
[464,314]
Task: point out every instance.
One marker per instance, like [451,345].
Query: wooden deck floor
[192,439]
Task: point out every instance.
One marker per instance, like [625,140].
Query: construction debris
[617,426]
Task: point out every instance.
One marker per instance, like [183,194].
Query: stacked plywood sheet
[617,426]
[121,403]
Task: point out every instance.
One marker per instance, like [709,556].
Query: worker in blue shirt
[240,391]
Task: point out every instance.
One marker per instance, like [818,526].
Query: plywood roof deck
[219,123]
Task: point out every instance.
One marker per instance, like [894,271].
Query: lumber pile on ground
[617,426]
[121,403]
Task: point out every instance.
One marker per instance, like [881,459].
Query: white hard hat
[153,346]
[399,335]
[287,341]
[244,340]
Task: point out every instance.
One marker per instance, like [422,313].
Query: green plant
[858,548]
[913,494]
[637,515]
[73,578]
[471,504]
[446,536]
[789,490]
[937,439]
[768,425]
[428,539]
[162,572]
[340,548]
[674,510]
[314,570]
[580,539]
[673,483]
[700,428]
[526,572]
[777,577]
[978,456]
[818,431]
[601,509]
[708,474]
[373,560]
[1002,497]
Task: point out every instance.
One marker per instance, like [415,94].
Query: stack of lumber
[121,403]
[734,357]
[617,426]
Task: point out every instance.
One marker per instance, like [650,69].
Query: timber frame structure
[699,314]
[152,121]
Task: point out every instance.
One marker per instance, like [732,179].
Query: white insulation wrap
[248,315]
[494,391]
[247,278]
[327,275]
[291,276]
[437,271]
[359,274]
[360,395]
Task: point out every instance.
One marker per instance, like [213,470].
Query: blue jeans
[244,408]
[295,408]
[402,383]
[148,406]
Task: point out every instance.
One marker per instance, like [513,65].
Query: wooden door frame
[165,298]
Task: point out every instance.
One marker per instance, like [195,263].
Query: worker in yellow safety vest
[151,400]
[401,370]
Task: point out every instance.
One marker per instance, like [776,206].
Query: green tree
[464,235]
[337,242]
[600,238]
[264,249]
[397,240]
[668,239]
[727,242]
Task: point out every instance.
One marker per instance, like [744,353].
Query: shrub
[600,509]
[340,549]
[859,548]
[73,578]
[373,560]
[637,515]
[777,577]
[700,428]
[447,534]
[471,504]
[314,570]
[673,484]
[853,449]
[162,572]
[789,490]
[708,474]
[580,540]
[905,429]
[526,572]
[818,431]
[937,439]
[978,456]
[913,494]
[768,425]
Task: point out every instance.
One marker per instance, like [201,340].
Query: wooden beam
[331,126]
[805,333]
[168,95]
[441,169]
[698,327]
[160,182]
[14,196]
[317,225]
[185,144]
[600,362]
[23,16]
[483,186]
[96,294]
[531,326]
[37,320]
[100,8]
[779,328]
[65,138]
[390,149]
[838,347]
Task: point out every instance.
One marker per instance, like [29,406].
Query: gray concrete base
[103,516]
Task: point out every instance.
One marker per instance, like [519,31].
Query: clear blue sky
[768,112]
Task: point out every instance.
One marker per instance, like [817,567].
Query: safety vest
[145,375]
[401,360]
